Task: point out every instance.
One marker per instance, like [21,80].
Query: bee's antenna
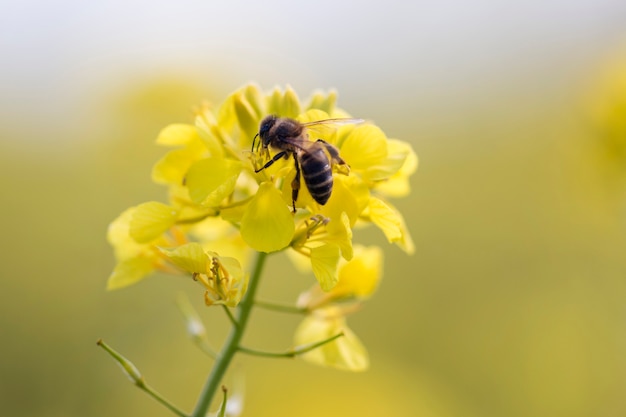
[254,140]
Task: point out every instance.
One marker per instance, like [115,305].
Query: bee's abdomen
[317,174]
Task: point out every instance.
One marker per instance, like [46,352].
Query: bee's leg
[295,184]
[334,152]
[335,158]
[271,161]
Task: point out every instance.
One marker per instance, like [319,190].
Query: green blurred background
[513,304]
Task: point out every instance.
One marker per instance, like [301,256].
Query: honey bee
[311,159]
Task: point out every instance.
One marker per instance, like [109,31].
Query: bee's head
[264,128]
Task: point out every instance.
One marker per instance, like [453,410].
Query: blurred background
[513,304]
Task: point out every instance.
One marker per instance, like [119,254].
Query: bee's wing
[328,126]
[336,122]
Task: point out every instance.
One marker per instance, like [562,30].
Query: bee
[313,160]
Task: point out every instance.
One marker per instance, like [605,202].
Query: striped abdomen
[317,174]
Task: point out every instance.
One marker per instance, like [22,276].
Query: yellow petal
[129,271]
[274,101]
[212,134]
[345,353]
[360,276]
[397,154]
[324,261]
[340,233]
[177,134]
[118,236]
[233,214]
[267,225]
[359,190]
[364,147]
[385,218]
[397,185]
[211,180]
[284,105]
[312,115]
[247,118]
[255,97]
[189,257]
[391,222]
[232,266]
[226,117]
[406,242]
[150,220]
[171,169]
[343,199]
[324,102]
[410,164]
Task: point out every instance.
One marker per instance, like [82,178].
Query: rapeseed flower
[328,311]
[220,210]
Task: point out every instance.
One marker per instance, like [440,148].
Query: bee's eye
[266,125]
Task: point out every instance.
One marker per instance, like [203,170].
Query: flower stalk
[300,350]
[232,344]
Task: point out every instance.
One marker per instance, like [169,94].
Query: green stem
[232,342]
[290,353]
[148,389]
[283,308]
[232,318]
[133,373]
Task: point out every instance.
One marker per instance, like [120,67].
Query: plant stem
[135,375]
[148,389]
[283,308]
[232,342]
[293,352]
[232,319]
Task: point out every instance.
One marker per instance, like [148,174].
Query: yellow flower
[358,279]
[222,277]
[215,180]
[135,240]
[346,352]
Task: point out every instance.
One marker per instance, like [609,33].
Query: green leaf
[150,220]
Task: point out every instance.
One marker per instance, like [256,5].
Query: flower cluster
[222,207]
